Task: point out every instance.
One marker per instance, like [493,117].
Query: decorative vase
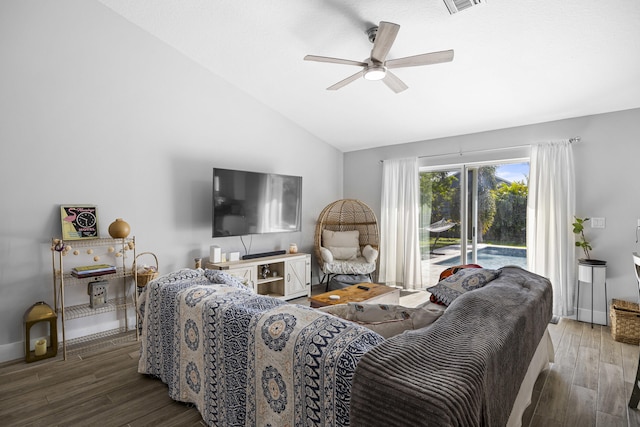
[293,248]
[119,229]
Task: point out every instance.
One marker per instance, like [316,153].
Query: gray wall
[94,110]
[606,163]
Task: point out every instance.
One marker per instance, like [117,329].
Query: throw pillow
[369,254]
[326,254]
[447,290]
[343,239]
[392,319]
[453,270]
[341,253]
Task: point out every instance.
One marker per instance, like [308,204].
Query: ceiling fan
[377,67]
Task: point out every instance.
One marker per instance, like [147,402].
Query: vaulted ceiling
[516,62]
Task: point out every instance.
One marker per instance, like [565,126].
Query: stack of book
[92,270]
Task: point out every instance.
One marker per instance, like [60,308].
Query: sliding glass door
[473,214]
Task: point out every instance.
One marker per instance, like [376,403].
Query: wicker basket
[625,321]
[142,278]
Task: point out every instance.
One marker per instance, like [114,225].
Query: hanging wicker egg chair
[347,215]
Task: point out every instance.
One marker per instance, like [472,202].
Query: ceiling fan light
[377,72]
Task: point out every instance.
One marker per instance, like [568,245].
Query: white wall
[94,110]
[606,173]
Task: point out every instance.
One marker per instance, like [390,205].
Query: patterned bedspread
[246,359]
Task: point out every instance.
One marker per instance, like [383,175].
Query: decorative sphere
[96,258]
[119,229]
[111,249]
[76,252]
[89,251]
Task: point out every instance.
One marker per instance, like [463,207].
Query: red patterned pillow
[450,272]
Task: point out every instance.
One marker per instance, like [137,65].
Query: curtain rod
[575,139]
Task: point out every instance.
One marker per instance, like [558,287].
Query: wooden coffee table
[376,293]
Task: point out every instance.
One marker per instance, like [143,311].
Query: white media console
[283,276]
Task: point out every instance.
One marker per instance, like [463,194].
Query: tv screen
[255,203]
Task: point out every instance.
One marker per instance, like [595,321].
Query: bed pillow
[468,279]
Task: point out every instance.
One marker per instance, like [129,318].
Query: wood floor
[588,385]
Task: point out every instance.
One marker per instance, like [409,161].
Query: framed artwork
[79,222]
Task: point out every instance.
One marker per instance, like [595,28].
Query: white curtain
[399,242]
[550,214]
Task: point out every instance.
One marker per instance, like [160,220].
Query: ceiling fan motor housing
[372,33]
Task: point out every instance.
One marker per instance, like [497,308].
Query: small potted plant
[578,228]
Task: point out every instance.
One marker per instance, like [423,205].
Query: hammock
[439,227]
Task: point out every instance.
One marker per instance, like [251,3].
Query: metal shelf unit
[118,250]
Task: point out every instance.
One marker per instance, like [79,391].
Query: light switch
[597,223]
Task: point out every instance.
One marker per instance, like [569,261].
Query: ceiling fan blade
[346,81]
[424,59]
[334,60]
[394,83]
[385,37]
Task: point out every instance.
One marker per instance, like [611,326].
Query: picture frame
[79,222]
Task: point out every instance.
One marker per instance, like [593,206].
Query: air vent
[456,6]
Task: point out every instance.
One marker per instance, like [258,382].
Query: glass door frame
[467,241]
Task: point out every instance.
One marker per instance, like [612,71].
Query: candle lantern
[41,312]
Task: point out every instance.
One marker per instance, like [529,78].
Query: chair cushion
[355,266]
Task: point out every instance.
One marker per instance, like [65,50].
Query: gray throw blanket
[463,370]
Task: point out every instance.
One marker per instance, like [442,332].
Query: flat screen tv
[255,203]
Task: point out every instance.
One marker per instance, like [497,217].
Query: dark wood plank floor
[588,385]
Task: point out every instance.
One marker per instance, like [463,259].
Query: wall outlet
[597,223]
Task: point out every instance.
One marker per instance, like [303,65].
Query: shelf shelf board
[104,241]
[273,295]
[100,340]
[270,280]
[70,279]
[84,310]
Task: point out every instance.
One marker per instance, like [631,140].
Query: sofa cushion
[387,319]
[468,279]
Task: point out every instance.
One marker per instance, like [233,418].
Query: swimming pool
[493,257]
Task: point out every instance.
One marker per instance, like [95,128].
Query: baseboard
[12,351]
[15,350]
[599,317]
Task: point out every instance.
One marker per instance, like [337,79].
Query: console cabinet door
[248,275]
[298,277]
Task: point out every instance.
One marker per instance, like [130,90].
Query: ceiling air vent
[456,6]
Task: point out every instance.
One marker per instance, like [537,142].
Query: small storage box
[625,321]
